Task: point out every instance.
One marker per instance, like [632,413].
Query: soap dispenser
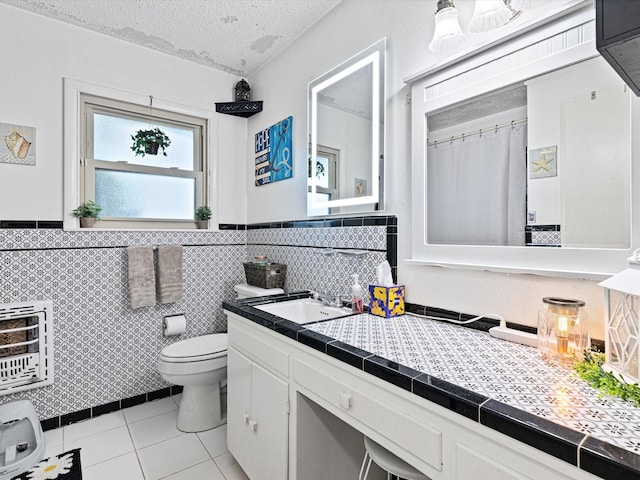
[357,304]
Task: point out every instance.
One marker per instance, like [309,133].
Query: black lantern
[243,91]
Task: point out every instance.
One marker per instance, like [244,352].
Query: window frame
[79,165]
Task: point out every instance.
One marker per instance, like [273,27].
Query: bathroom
[104,350]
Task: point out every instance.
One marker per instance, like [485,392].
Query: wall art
[543,162]
[273,148]
[18,145]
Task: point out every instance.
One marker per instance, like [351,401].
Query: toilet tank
[245,290]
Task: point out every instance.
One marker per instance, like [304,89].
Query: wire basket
[271,275]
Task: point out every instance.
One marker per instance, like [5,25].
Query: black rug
[65,466]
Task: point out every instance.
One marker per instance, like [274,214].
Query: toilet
[244,290]
[199,364]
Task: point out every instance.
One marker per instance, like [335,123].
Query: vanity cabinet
[267,370]
[257,415]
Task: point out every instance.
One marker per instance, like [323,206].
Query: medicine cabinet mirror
[346,135]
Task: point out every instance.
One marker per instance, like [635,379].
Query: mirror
[346,134]
[542,163]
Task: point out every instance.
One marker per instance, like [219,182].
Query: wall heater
[26,345]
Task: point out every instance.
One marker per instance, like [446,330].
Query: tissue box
[386,301]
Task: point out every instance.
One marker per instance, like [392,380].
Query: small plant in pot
[149,142]
[203,214]
[88,213]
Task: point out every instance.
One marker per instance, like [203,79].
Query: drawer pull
[245,416]
[345,400]
[253,425]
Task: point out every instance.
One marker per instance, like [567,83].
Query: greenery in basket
[590,370]
[149,141]
[203,213]
[89,209]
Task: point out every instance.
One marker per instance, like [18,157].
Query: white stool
[388,462]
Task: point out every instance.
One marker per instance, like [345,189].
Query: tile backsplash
[104,350]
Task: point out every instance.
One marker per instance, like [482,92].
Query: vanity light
[622,316]
[562,332]
[489,15]
[447,33]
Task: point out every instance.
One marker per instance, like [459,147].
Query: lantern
[242,91]
[622,316]
[562,332]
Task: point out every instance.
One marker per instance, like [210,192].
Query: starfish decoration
[543,163]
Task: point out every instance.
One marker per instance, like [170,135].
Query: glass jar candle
[562,331]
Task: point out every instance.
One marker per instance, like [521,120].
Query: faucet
[328,299]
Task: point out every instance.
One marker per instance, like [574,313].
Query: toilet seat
[196,349]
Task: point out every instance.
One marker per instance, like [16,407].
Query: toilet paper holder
[174,324]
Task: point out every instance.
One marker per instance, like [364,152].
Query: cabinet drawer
[416,438]
[258,344]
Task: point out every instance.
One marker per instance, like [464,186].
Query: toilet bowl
[199,364]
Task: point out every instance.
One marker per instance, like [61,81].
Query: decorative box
[386,301]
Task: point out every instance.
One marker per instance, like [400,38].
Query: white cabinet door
[270,397]
[238,405]
[257,418]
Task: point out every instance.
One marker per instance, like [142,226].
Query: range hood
[618,38]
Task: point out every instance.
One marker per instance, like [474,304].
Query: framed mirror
[523,158]
[346,136]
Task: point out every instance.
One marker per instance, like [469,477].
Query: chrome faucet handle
[338,302]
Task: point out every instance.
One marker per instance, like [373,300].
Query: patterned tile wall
[104,350]
[313,259]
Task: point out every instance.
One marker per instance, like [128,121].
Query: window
[327,160]
[149,191]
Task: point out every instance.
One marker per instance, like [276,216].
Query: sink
[305,310]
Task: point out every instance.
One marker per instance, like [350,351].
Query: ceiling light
[447,33]
[489,15]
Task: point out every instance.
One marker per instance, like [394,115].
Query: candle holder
[562,333]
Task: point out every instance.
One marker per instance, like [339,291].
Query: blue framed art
[274,159]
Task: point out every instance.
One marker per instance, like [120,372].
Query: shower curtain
[476,189]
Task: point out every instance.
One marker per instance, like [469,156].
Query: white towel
[170,273]
[142,276]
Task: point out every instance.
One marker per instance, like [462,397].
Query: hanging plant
[148,142]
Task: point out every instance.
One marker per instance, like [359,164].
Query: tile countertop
[505,386]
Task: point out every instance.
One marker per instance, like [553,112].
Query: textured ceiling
[235,36]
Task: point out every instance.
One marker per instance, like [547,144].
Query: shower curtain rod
[462,136]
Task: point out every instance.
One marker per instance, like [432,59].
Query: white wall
[408,26]
[598,198]
[37,53]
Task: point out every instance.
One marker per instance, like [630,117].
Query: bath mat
[65,466]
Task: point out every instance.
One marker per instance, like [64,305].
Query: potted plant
[203,214]
[148,142]
[88,213]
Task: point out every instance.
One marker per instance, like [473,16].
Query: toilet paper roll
[174,325]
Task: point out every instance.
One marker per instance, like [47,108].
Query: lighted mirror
[544,163]
[346,134]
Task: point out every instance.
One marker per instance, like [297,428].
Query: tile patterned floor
[510,373]
[143,443]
